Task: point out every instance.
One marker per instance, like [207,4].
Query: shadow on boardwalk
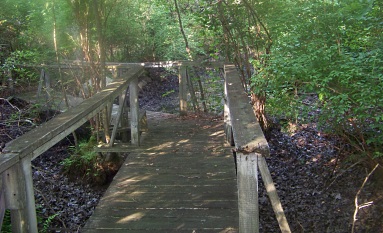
[181,179]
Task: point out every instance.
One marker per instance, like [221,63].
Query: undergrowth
[88,166]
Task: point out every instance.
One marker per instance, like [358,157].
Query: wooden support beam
[30,205]
[124,119]
[273,195]
[247,183]
[118,117]
[182,80]
[2,202]
[134,112]
[19,198]
[227,121]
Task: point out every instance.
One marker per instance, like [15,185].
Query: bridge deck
[181,179]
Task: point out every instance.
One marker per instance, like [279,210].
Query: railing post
[134,111]
[118,117]
[251,148]
[19,197]
[227,121]
[182,90]
[247,182]
[2,202]
[30,206]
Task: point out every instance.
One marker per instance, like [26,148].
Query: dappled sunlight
[270,188]
[132,217]
[180,178]
[182,141]
[229,230]
[218,133]
[133,180]
[162,146]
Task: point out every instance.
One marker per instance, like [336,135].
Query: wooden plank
[126,203]
[8,160]
[172,190]
[247,183]
[118,119]
[30,206]
[14,195]
[104,230]
[138,214]
[163,224]
[2,202]
[134,112]
[273,195]
[227,120]
[177,148]
[248,135]
[182,90]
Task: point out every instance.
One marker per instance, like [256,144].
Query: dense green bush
[337,56]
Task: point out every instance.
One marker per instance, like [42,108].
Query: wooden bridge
[178,177]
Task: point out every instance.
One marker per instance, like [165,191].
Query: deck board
[181,179]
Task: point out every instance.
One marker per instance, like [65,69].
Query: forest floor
[316,180]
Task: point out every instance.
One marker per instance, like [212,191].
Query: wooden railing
[251,148]
[16,185]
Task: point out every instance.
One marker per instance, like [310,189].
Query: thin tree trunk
[182,29]
[59,65]
[98,13]
[192,93]
[203,100]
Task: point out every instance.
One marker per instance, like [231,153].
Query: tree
[332,49]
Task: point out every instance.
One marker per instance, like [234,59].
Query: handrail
[251,148]
[15,164]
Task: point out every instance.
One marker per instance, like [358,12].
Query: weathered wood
[227,121]
[124,120]
[248,135]
[45,136]
[251,147]
[120,65]
[160,189]
[15,200]
[118,118]
[247,182]
[30,206]
[8,160]
[182,90]
[134,112]
[2,202]
[273,195]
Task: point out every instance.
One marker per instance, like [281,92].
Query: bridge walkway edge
[181,179]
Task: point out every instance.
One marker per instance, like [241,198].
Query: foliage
[285,50]
[13,64]
[48,222]
[6,227]
[212,89]
[332,49]
[85,163]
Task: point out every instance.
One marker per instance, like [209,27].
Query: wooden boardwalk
[181,179]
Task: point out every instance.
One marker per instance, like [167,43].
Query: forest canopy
[286,50]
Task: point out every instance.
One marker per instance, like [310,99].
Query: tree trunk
[59,65]
[182,29]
